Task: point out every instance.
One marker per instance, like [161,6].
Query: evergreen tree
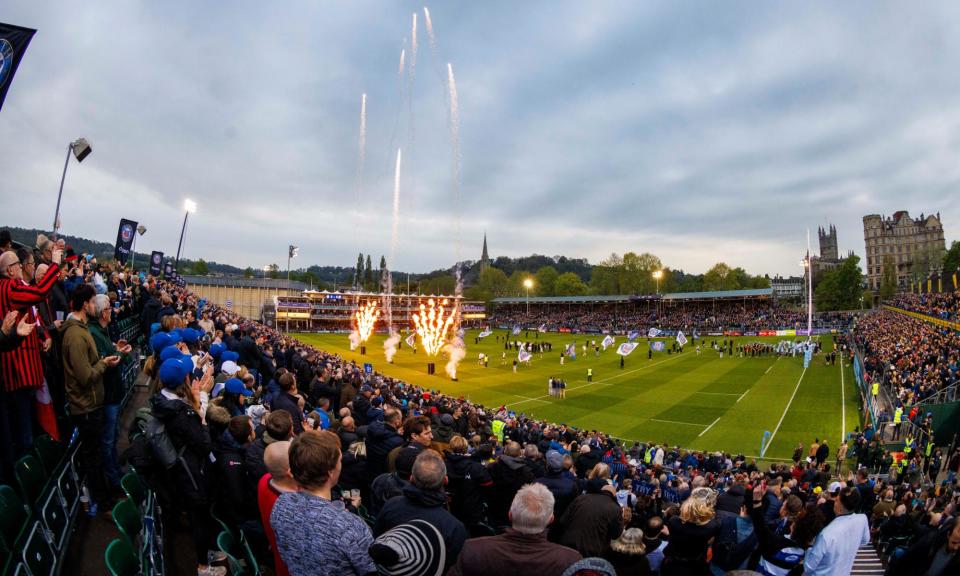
[358,272]
[368,275]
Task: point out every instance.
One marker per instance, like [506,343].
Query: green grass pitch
[700,402]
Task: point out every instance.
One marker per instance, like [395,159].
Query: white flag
[516,330]
[485,333]
[626,348]
[681,339]
[653,333]
[411,339]
[523,355]
[607,341]
[542,328]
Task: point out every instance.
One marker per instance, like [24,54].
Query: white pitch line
[718,393]
[784,415]
[744,394]
[675,422]
[708,427]
[597,382]
[768,369]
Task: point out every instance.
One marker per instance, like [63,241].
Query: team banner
[542,328]
[654,332]
[633,335]
[485,333]
[658,346]
[627,347]
[523,355]
[516,330]
[13,43]
[125,235]
[607,341]
[681,339]
[168,269]
[411,339]
[572,350]
[156,262]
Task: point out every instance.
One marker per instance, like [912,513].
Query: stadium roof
[268,283]
[716,295]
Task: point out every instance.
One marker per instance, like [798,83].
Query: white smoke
[390,346]
[354,340]
[456,350]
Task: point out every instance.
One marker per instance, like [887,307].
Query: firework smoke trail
[390,346]
[354,340]
[403,56]
[429,23]
[413,45]
[457,349]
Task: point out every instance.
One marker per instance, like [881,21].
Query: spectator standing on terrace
[83,371]
[289,399]
[936,554]
[509,474]
[112,384]
[381,439]
[690,535]
[316,536]
[523,548]
[278,480]
[592,520]
[21,368]
[425,499]
[836,547]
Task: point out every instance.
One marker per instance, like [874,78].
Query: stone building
[916,246]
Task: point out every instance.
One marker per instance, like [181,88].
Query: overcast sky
[699,131]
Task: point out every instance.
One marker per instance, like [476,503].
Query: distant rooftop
[268,283]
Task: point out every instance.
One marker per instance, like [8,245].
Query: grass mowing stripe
[592,383]
[843,403]
[709,427]
[785,410]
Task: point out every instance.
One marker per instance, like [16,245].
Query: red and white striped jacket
[22,367]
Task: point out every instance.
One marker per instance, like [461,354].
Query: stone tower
[828,243]
[484,257]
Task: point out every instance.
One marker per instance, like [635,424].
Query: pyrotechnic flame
[366,317]
[426,17]
[403,55]
[433,323]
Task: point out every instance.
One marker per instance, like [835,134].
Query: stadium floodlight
[527,285]
[80,149]
[657,274]
[189,207]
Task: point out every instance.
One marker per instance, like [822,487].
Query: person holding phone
[83,371]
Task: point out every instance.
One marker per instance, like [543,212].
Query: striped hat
[412,549]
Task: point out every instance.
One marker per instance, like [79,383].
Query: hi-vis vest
[589,371]
[498,426]
[898,416]
[648,457]
[908,446]
[929,448]
[876,388]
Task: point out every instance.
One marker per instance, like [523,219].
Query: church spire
[484,257]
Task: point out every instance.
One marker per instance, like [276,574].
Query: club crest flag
[627,347]
[411,339]
[156,263]
[696,334]
[125,236]
[572,350]
[516,330]
[523,355]
[657,346]
[542,328]
[608,340]
[633,335]
[485,333]
[13,43]
[681,339]
[653,333]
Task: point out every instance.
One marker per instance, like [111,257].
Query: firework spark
[429,23]
[433,323]
[366,317]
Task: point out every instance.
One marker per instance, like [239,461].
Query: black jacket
[380,440]
[187,433]
[466,478]
[233,494]
[149,315]
[509,474]
[250,354]
[563,487]
[384,487]
[590,523]
[428,505]
[284,401]
[920,555]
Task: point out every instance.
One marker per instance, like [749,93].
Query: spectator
[278,427]
[425,499]
[21,368]
[690,535]
[315,536]
[112,385]
[83,371]
[415,548]
[468,478]
[523,548]
[176,405]
[936,554]
[626,554]
[381,439]
[591,521]
[560,481]
[290,400]
[271,485]
[233,489]
[654,542]
[836,547]
[782,550]
[509,473]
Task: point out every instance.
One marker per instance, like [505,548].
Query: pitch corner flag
[13,43]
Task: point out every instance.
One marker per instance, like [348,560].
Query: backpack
[159,443]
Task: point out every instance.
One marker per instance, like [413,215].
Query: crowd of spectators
[703,315]
[942,305]
[332,470]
